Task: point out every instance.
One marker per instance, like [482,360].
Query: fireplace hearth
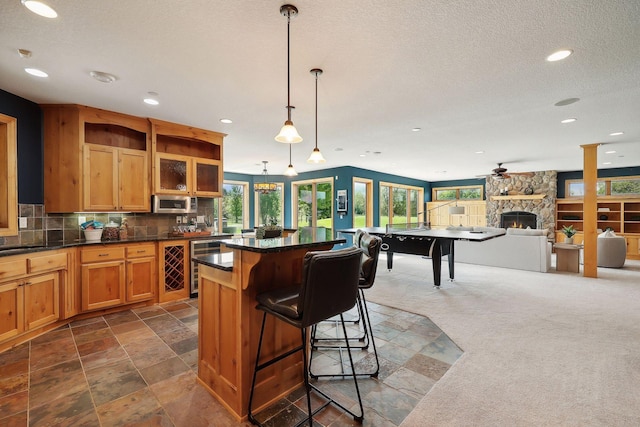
[518,219]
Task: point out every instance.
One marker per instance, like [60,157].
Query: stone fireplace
[541,202]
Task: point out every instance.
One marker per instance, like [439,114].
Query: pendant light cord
[316,110]
[288,68]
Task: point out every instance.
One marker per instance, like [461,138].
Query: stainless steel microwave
[174,204]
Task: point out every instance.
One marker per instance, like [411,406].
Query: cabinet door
[141,274]
[41,300]
[103,284]
[207,178]
[133,181]
[172,174]
[100,178]
[633,247]
[11,309]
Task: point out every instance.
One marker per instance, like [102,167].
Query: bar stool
[370,247]
[329,288]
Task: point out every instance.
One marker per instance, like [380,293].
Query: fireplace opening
[518,219]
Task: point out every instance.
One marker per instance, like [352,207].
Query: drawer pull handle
[103,254]
[141,251]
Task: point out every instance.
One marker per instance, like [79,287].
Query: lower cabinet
[114,275]
[28,303]
[103,277]
[141,272]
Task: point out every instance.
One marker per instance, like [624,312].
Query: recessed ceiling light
[571,120]
[480,152]
[103,77]
[567,101]
[40,8]
[559,55]
[227,121]
[363,155]
[416,130]
[616,133]
[610,152]
[606,163]
[36,72]
[151,101]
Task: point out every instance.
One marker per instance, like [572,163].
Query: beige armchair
[612,250]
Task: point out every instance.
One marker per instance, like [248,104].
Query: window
[471,192]
[362,202]
[615,186]
[235,202]
[400,204]
[270,207]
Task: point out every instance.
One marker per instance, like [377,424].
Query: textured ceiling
[471,74]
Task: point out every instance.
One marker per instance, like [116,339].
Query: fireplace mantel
[520,197]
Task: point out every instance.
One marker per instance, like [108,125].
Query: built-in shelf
[520,197]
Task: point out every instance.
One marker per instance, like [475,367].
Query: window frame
[434,192]
[607,186]
[391,186]
[256,206]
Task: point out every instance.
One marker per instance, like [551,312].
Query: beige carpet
[541,349]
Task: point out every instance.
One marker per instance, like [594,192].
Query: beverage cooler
[200,247]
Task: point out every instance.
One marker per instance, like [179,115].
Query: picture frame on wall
[342,201]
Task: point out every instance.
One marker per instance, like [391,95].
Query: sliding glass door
[313,204]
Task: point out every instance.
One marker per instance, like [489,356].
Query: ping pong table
[419,240]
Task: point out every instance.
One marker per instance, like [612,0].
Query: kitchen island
[229,324]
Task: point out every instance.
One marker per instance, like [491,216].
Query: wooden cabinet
[141,272]
[114,275]
[116,179]
[29,292]
[475,214]
[8,176]
[103,277]
[173,270]
[95,160]
[620,215]
[187,160]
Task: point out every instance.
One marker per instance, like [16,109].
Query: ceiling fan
[501,173]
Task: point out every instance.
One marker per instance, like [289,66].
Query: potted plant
[569,232]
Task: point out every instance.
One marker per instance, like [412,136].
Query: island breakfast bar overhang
[229,325]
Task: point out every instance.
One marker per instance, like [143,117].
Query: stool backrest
[370,247]
[329,284]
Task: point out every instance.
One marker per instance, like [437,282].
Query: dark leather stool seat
[370,247]
[329,288]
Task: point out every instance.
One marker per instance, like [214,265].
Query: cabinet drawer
[12,268]
[47,263]
[101,254]
[141,251]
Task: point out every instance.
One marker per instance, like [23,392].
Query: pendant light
[264,187]
[288,134]
[290,169]
[316,155]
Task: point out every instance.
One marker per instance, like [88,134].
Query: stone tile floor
[139,367]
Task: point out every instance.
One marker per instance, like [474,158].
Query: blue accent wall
[30,146]
[602,173]
[342,180]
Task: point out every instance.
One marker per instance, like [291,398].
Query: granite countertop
[49,246]
[304,238]
[221,261]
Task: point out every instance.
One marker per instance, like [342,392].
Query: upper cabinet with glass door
[187,160]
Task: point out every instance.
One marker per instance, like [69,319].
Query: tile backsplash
[43,228]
